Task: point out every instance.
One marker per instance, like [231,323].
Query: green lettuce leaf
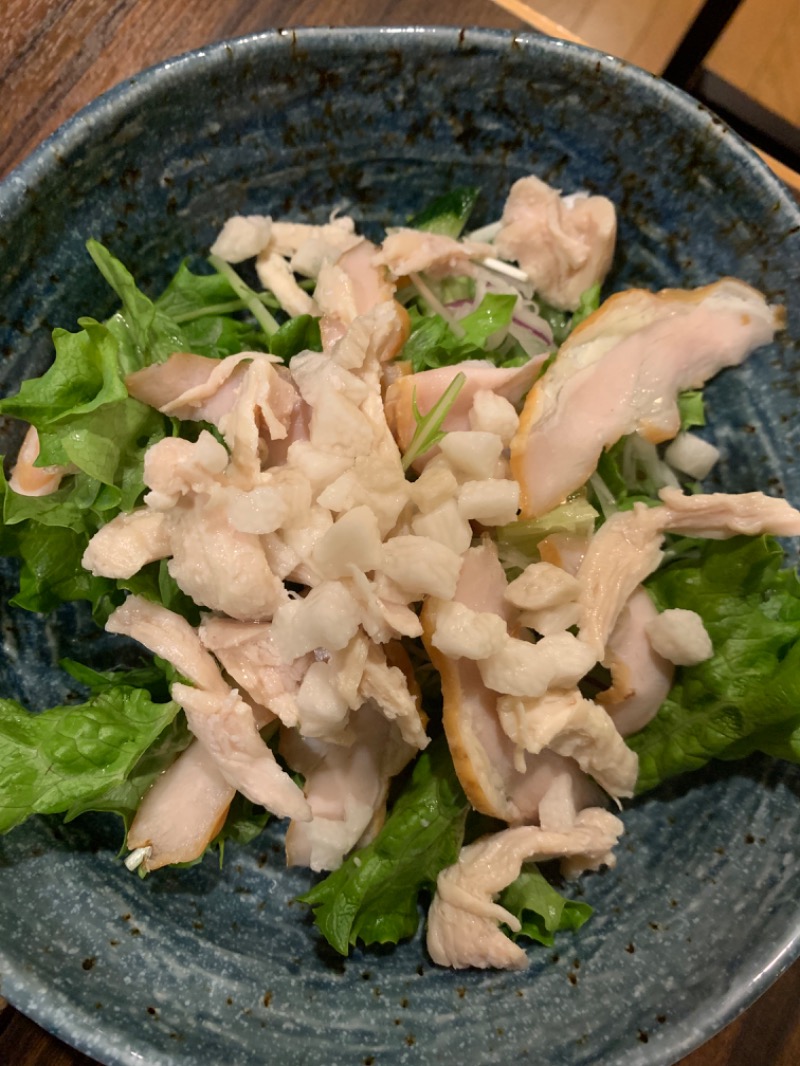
[146,334]
[448,214]
[746,697]
[540,908]
[296,335]
[124,795]
[66,756]
[373,896]
[432,342]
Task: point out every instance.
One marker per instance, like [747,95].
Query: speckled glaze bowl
[204,966]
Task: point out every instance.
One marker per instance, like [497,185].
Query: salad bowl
[207,964]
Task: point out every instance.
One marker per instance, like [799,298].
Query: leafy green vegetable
[562,323]
[540,908]
[146,334]
[429,427]
[373,896]
[746,697]
[448,214]
[433,343]
[575,516]
[296,335]
[53,761]
[587,305]
[124,796]
[692,408]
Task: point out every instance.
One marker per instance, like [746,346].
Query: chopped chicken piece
[225,726]
[564,244]
[169,636]
[352,285]
[249,655]
[322,247]
[275,274]
[446,525]
[641,677]
[182,811]
[127,543]
[435,486]
[414,251]
[289,238]
[428,386]
[463,920]
[521,668]
[395,691]
[375,481]
[680,637]
[491,413]
[483,755]
[242,237]
[383,616]
[219,566]
[318,466]
[372,339]
[621,371]
[460,631]
[353,540]
[472,453]
[328,617]
[577,728]
[346,786]
[339,426]
[174,467]
[493,502]
[627,547]
[30,480]
[421,566]
[322,709]
[542,585]
[347,665]
[315,373]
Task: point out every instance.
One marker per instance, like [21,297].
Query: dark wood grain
[55,57]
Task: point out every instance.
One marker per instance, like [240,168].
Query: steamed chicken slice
[127,543]
[29,480]
[627,548]
[484,757]
[169,636]
[564,244]
[463,922]
[182,811]
[621,372]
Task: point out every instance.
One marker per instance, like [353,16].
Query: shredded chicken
[564,244]
[463,920]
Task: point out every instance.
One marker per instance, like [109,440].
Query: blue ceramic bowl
[204,966]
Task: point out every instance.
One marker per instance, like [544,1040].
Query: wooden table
[55,56]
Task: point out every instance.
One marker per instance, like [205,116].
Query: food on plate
[410,533]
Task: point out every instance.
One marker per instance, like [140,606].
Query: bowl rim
[25,992]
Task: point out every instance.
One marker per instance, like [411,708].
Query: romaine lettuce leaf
[373,896]
[448,214]
[68,756]
[746,697]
